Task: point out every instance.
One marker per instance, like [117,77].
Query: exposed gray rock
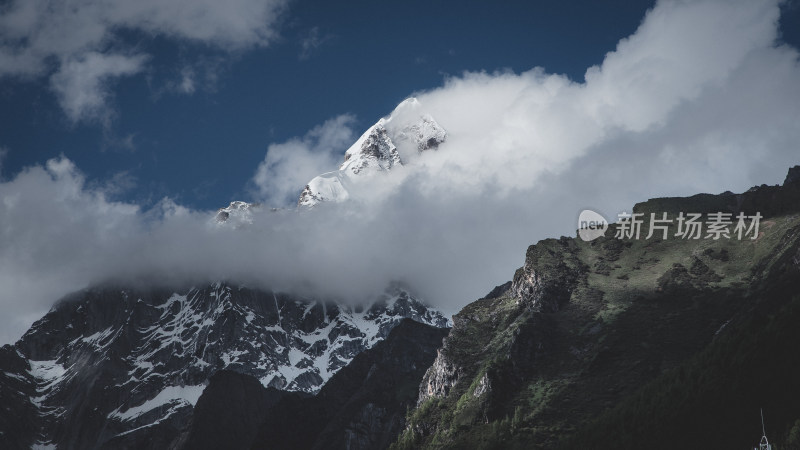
[438,379]
[550,273]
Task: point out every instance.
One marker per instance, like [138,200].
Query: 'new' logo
[591,225]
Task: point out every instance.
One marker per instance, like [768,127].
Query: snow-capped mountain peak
[377,150]
[107,365]
[374,150]
[237,213]
[328,187]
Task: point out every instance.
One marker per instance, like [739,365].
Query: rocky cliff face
[584,327]
[118,367]
[374,151]
[549,276]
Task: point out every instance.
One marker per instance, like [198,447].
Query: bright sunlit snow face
[701,98]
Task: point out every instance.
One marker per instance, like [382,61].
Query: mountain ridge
[109,365]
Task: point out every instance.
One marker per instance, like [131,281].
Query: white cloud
[201,73]
[517,127]
[288,166]
[82,83]
[187,83]
[77,34]
[311,42]
[698,100]
[118,183]
[47,214]
[682,49]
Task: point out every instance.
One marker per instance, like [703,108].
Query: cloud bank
[699,99]
[79,43]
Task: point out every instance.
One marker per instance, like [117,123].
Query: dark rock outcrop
[363,406]
[793,176]
[550,273]
[229,412]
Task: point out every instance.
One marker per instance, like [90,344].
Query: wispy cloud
[312,41]
[78,44]
[83,84]
[200,74]
[119,183]
[114,142]
[187,82]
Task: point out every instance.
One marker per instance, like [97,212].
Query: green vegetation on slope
[620,343]
[713,400]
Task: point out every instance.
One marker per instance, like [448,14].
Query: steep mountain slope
[585,326]
[123,368]
[362,407]
[376,151]
[714,399]
[19,413]
[230,411]
[364,404]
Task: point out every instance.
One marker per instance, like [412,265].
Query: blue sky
[200,146]
[126,124]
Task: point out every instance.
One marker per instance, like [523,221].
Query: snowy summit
[379,149]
